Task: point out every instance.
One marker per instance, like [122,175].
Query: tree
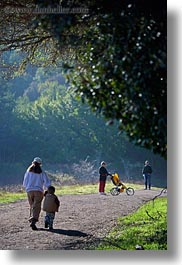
[7,118]
[123,76]
[49,121]
[120,66]
[117,62]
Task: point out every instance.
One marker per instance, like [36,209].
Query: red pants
[102,184]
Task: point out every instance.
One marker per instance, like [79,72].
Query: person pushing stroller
[103,176]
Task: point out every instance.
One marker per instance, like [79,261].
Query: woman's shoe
[33,226]
[51,228]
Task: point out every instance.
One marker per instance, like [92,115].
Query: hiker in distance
[147,171]
[35,180]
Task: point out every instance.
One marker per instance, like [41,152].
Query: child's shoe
[46,224]
[50,227]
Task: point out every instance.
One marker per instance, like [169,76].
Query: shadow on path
[66,232]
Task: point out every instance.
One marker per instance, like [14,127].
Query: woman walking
[34,182]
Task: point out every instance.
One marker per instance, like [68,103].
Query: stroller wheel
[114,191]
[130,191]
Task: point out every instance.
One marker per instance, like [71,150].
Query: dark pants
[102,184]
[147,180]
[49,218]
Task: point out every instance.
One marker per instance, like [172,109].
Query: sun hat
[38,160]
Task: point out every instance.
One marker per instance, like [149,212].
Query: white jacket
[34,181]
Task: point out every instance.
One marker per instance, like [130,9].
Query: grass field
[146,228]
[14,195]
[7,197]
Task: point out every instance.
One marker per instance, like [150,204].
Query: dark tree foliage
[114,53]
[119,62]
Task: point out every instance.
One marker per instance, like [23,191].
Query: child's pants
[49,218]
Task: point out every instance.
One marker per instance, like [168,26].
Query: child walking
[50,206]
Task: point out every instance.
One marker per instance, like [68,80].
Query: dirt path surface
[81,221]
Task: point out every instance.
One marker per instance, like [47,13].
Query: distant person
[103,177]
[51,205]
[34,182]
[147,171]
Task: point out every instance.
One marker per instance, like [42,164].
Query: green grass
[146,227]
[77,189]
[88,189]
[92,188]
[7,197]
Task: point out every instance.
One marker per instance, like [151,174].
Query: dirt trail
[81,221]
